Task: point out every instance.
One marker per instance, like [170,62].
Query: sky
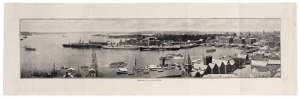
[131,25]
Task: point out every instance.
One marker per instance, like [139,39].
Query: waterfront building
[259,63]
[207,60]
[225,40]
[220,65]
[239,41]
[278,73]
[243,59]
[220,76]
[199,66]
[250,41]
[260,73]
[271,44]
[265,71]
[274,63]
[243,73]
[216,69]
[259,55]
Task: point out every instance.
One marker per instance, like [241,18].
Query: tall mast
[148,42]
[54,66]
[54,71]
[135,61]
[78,70]
[94,60]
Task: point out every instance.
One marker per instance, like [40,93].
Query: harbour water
[49,49]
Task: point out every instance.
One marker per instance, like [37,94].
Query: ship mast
[135,61]
[94,60]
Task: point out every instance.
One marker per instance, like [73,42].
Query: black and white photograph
[138,48]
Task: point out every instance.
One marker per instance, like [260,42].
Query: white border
[137,1]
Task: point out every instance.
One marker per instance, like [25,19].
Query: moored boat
[159,48]
[151,67]
[122,71]
[172,57]
[211,50]
[118,64]
[30,49]
[122,47]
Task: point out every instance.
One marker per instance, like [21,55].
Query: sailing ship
[78,74]
[54,72]
[134,69]
[93,71]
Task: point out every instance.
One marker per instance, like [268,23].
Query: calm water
[49,49]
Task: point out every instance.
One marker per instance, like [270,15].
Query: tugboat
[211,50]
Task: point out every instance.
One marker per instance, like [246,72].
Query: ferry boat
[211,50]
[172,57]
[118,64]
[30,49]
[122,71]
[151,67]
[159,48]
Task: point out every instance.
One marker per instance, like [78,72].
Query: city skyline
[151,24]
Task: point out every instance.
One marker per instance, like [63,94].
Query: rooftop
[259,63]
[274,62]
[219,75]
